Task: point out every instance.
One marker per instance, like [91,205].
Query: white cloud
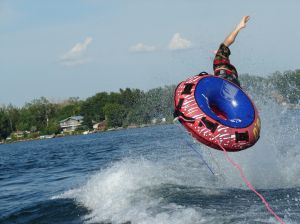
[75,56]
[140,47]
[177,42]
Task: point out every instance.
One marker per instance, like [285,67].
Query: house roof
[77,118]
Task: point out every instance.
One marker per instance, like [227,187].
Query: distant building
[154,121]
[101,126]
[71,123]
[18,134]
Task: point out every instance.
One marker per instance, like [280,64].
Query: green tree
[287,84]
[36,114]
[92,108]
[114,114]
[5,128]
[13,116]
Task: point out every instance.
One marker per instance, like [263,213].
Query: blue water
[150,175]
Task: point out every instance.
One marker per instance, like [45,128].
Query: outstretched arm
[231,37]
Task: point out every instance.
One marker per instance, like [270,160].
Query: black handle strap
[178,113]
[187,89]
[209,125]
[202,73]
[242,136]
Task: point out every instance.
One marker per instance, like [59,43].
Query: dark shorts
[222,66]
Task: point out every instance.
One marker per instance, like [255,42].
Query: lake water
[151,175]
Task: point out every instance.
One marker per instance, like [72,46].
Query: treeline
[284,87]
[128,106]
[123,108]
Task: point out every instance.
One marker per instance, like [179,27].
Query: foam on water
[273,162]
[127,191]
[133,189]
[141,191]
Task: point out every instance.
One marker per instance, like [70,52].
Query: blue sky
[64,48]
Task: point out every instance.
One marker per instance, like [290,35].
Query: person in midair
[222,66]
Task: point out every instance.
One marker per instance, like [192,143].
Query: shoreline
[76,133]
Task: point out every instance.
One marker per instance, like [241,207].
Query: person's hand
[243,22]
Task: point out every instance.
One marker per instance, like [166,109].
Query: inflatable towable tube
[217,112]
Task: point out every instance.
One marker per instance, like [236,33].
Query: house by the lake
[101,126]
[71,123]
[17,134]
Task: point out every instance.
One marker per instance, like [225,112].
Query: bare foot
[243,22]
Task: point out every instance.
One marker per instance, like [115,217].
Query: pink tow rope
[246,181]
[249,184]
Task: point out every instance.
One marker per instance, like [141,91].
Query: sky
[76,48]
